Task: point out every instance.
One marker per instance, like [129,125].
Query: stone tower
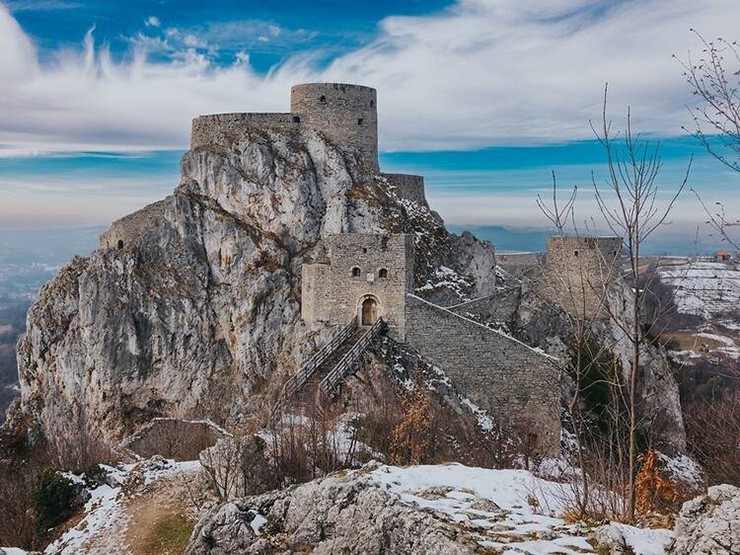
[346,114]
[578,271]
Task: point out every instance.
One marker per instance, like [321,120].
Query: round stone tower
[346,114]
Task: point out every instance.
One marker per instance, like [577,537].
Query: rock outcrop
[545,324]
[191,309]
[709,524]
[337,514]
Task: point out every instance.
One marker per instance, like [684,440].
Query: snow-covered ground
[508,510]
[704,288]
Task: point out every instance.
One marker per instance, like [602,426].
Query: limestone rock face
[708,524]
[198,308]
[337,514]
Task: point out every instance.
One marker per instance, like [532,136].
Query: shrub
[413,439]
[654,492]
[94,476]
[53,499]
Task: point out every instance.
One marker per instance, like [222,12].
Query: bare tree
[629,202]
[595,383]
[714,80]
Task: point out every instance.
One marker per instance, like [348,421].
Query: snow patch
[512,511]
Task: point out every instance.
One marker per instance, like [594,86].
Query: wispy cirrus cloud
[482,73]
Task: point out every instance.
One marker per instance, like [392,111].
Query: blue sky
[483,97]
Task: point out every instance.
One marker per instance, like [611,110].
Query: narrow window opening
[372,103]
[383,273]
[296,119]
[322,99]
[364,250]
[359,121]
[120,243]
[355,272]
[575,253]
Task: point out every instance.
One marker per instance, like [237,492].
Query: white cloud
[484,72]
[152,21]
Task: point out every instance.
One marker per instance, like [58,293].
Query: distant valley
[28,260]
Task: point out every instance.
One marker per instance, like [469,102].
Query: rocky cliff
[192,304]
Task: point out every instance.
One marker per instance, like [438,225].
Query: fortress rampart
[497,307]
[502,375]
[125,231]
[208,129]
[346,114]
[407,186]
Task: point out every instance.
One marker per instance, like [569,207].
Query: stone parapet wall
[499,307]
[125,231]
[408,186]
[517,264]
[499,373]
[209,129]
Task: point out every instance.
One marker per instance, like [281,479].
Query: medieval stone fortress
[365,278]
[368,279]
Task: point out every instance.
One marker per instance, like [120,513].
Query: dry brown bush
[712,430]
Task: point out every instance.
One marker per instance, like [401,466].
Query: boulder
[609,537]
[709,524]
[342,513]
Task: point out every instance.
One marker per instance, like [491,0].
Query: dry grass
[167,535]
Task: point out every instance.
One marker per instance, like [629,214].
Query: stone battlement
[128,229]
[410,187]
[207,129]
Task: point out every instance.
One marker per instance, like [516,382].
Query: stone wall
[407,186]
[125,231]
[499,373]
[208,129]
[346,114]
[577,272]
[519,263]
[331,293]
[499,307]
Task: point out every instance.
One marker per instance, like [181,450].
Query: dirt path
[161,520]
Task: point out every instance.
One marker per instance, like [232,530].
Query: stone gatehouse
[364,276]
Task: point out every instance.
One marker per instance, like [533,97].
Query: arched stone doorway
[369,311]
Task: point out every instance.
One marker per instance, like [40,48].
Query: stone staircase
[326,370]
